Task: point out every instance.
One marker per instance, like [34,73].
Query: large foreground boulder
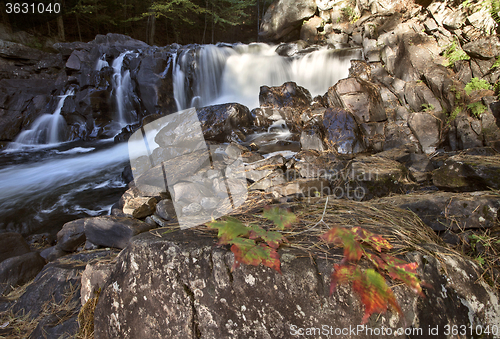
[181,285]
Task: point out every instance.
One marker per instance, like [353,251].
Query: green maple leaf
[229,230]
[406,272]
[272,238]
[347,238]
[398,269]
[281,218]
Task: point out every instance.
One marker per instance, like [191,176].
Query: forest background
[159,22]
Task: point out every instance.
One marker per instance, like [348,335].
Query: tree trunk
[258,20]
[213,23]
[78,27]
[5,18]
[60,28]
[151,30]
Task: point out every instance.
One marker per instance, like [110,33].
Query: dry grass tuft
[21,325]
[86,318]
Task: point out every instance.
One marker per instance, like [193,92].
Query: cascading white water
[121,87]
[235,74]
[46,129]
[101,63]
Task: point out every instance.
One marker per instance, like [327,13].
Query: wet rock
[219,121]
[451,211]
[111,231]
[19,270]
[290,49]
[12,245]
[286,95]
[468,173]
[71,236]
[187,282]
[250,157]
[151,83]
[311,139]
[342,132]
[283,16]
[359,97]
[22,101]
[75,60]
[426,128]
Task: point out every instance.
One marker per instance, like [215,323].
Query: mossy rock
[468,173]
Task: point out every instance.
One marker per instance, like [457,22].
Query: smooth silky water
[47,180]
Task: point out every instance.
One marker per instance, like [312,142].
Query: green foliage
[497,63]
[428,107]
[455,113]
[369,284]
[252,244]
[477,108]
[223,12]
[350,14]
[453,53]
[476,84]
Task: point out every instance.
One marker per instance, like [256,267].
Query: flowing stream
[46,129]
[46,180]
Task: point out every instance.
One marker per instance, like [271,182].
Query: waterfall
[234,74]
[46,129]
[101,63]
[122,85]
